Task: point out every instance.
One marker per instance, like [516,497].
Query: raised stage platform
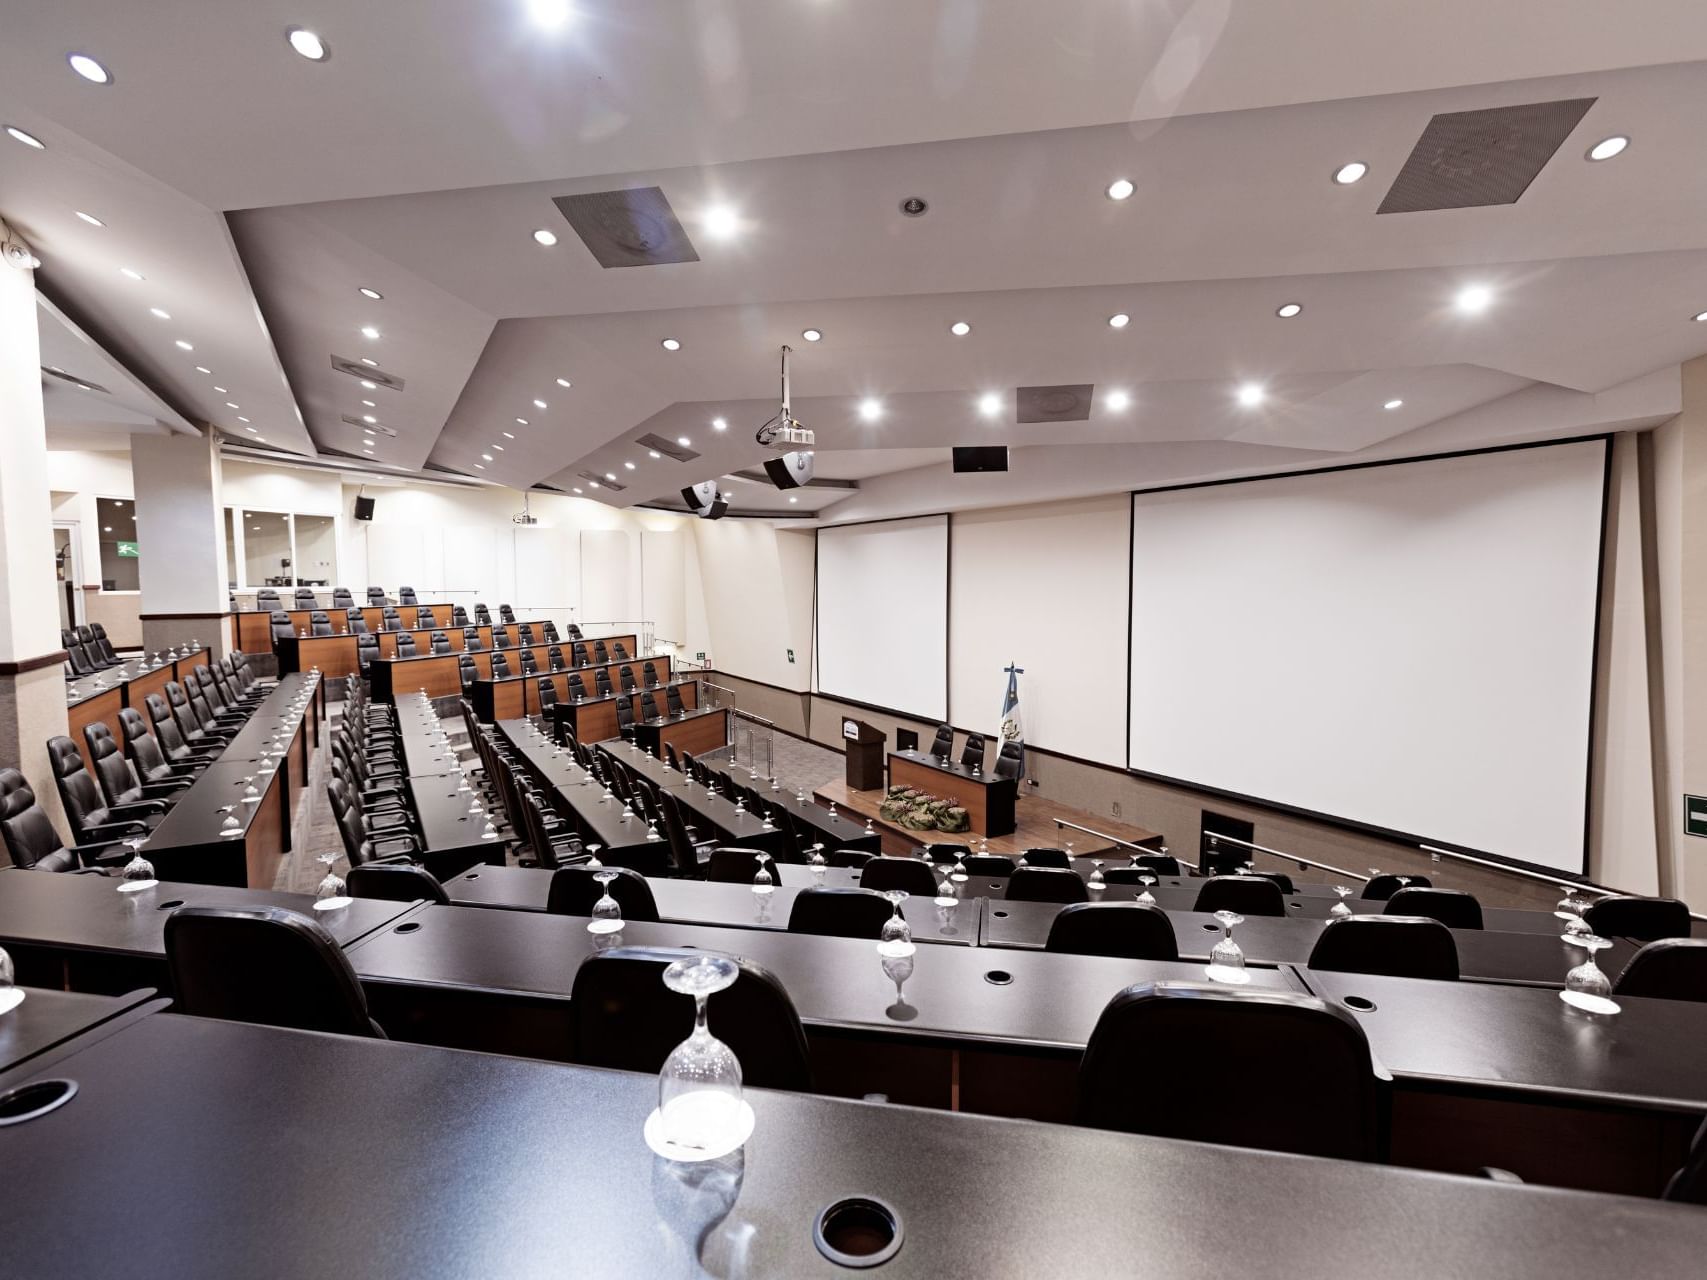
[1034,825]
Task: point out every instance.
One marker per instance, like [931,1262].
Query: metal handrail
[1214,837]
[1560,880]
[747,715]
[1103,835]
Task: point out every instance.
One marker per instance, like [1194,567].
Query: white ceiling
[257,191]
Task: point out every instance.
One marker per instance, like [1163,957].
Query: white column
[32,687]
[180,535]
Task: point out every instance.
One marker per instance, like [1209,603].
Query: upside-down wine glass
[1586,986]
[699,1089]
[1146,898]
[607,911]
[10,996]
[138,873]
[1570,910]
[1096,881]
[958,871]
[1226,961]
[897,936]
[330,895]
[593,855]
[1339,909]
[762,882]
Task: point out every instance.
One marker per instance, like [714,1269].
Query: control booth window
[119,551]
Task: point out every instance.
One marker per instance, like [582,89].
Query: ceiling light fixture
[793,500]
[683,441]
[670,344]
[1700,317]
[565,383]
[812,335]
[499,447]
[1251,395]
[1119,321]
[369,332]
[480,466]
[989,404]
[131,273]
[221,390]
[719,424]
[610,476]
[308,44]
[720,222]
[579,490]
[1347,174]
[508,435]
[1289,310]
[1473,299]
[375,294]
[549,14]
[1117,400]
[90,218]
[202,368]
[870,410]
[89,69]
[185,346]
[960,328]
[544,237]
[593,483]
[369,386]
[28,139]
[486,457]
[1606,148]
[370,404]
[372,364]
[653,454]
[1120,189]
[229,405]
[629,465]
[252,431]
[1392,404]
[156,311]
[241,418]
[369,418]
[539,404]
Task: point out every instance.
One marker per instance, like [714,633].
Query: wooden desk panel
[439,676]
[512,633]
[334,655]
[148,682]
[989,814]
[254,632]
[699,733]
[105,707]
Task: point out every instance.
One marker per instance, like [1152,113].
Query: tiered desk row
[103,695]
[440,675]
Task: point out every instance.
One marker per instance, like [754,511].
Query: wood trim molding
[26,665]
[175,617]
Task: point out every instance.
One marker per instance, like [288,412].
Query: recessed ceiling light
[719,424]
[539,404]
[260,437]
[989,404]
[653,453]
[564,382]
[1117,400]
[610,475]
[372,364]
[221,390]
[1289,310]
[521,422]
[629,465]
[579,490]
[683,441]
[499,447]
[811,335]
[480,466]
[1473,299]
[241,418]
[185,346]
[544,237]
[960,328]
[593,483]
[252,431]
[549,14]
[1120,189]
[202,368]
[90,218]
[229,405]
[670,344]
[508,435]
[156,311]
[368,417]
[1606,148]
[1119,321]
[370,404]
[720,222]
[870,410]
[89,69]
[486,457]
[1700,317]
[28,139]
[131,273]
[308,44]
[1392,404]
[1251,395]
[375,294]
[106,528]
[792,500]
[369,332]
[369,386]
[1347,174]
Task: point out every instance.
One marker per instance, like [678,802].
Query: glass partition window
[119,551]
[280,549]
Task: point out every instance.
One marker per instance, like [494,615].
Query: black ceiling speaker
[981,457]
[715,510]
[700,496]
[364,508]
[791,470]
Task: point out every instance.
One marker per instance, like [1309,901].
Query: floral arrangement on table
[920,811]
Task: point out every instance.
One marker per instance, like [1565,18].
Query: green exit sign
[791,655]
[1695,815]
[127,550]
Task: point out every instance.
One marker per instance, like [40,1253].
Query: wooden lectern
[865,755]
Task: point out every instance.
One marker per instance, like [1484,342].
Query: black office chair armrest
[391,846]
[1500,1175]
[185,769]
[138,806]
[167,786]
[100,854]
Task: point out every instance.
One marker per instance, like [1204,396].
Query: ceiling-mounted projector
[783,432]
[525,516]
[704,500]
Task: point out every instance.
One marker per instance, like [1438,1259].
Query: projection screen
[1408,646]
[882,620]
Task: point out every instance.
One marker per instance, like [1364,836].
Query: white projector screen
[882,628]
[1408,647]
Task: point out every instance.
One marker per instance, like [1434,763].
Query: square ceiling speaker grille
[1053,404]
[633,228]
[1469,158]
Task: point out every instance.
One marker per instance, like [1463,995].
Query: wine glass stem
[699,1024]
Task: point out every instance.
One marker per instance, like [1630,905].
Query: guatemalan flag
[1012,729]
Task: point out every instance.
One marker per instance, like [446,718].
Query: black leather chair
[440,642]
[367,649]
[972,754]
[1645,919]
[264,965]
[99,648]
[908,874]
[1045,858]
[526,661]
[573,632]
[342,599]
[732,866]
[406,645]
[1666,969]
[506,615]
[524,633]
[395,882]
[548,632]
[91,816]
[1395,946]
[500,667]
[673,701]
[547,693]
[1247,895]
[625,679]
[1452,907]
[145,754]
[1313,1054]
[1380,888]
[319,623]
[839,913]
[467,672]
[482,616]
[1009,760]
[578,654]
[648,706]
[577,687]
[573,892]
[196,722]
[281,625]
[354,623]
[1046,884]
[626,1018]
[649,675]
[554,658]
[424,620]
[600,653]
[458,616]
[851,858]
[390,619]
[266,600]
[471,639]
[988,864]
[376,597]
[943,746]
[75,654]
[406,596]
[625,717]
[1135,931]
[33,844]
[618,651]
[1154,864]
[170,735]
[601,682]
[305,598]
[500,639]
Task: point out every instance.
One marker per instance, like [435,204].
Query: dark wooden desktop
[85,704]
[517,695]
[987,799]
[440,675]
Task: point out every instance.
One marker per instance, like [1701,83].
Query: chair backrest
[554,658]
[577,686]
[30,838]
[500,667]
[648,706]
[470,639]
[626,1018]
[1646,919]
[406,645]
[528,664]
[548,630]
[601,681]
[1381,887]
[972,754]
[467,672]
[376,596]
[1046,884]
[1045,858]
[1313,1054]
[281,625]
[625,676]
[732,866]
[884,873]
[1452,907]
[264,965]
[441,642]
[943,746]
[850,858]
[547,692]
[266,599]
[113,772]
[1223,857]
[139,744]
[367,649]
[390,619]
[987,864]
[506,614]
[1248,895]
[649,673]
[342,599]
[482,615]
[578,654]
[573,892]
[524,633]
[1156,864]
[395,882]
[320,623]
[673,700]
[78,791]
[305,598]
[1397,946]
[1008,760]
[1133,930]
[354,623]
[166,731]
[458,616]
[406,595]
[500,639]
[624,714]
[600,653]
[1667,969]
[839,913]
